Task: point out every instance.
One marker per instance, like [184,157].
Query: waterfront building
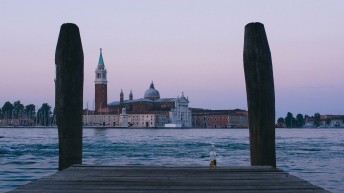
[147,120]
[332,120]
[206,118]
[22,120]
[126,120]
[309,122]
[326,121]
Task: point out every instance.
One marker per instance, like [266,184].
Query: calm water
[316,155]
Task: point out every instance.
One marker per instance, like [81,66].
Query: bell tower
[121,96]
[100,85]
[131,95]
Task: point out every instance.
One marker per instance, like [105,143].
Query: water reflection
[100,132]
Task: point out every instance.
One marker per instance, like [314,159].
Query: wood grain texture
[69,60]
[260,95]
[170,179]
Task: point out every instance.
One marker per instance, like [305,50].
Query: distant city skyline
[190,46]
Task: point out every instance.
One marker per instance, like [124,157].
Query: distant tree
[44,115]
[317,119]
[290,121]
[280,121]
[18,109]
[7,109]
[300,120]
[30,110]
[1,115]
[17,105]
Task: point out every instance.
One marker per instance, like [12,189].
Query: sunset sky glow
[190,46]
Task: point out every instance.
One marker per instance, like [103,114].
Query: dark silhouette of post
[260,95]
[69,60]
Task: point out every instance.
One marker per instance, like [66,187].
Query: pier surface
[93,178]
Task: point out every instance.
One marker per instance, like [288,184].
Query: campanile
[100,85]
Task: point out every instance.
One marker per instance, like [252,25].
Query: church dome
[152,93]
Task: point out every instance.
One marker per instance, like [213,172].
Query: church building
[149,111]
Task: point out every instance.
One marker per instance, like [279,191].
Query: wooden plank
[160,179]
[169,191]
[154,172]
[138,188]
[229,168]
[176,178]
[170,186]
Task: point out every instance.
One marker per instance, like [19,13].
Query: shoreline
[101,127]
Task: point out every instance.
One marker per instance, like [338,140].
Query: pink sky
[191,46]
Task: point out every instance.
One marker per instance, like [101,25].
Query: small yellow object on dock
[213,163]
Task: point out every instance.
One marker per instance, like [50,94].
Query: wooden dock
[93,178]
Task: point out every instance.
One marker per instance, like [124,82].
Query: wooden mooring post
[69,60]
[260,95]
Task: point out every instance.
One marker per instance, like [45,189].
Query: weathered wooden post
[260,95]
[69,60]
